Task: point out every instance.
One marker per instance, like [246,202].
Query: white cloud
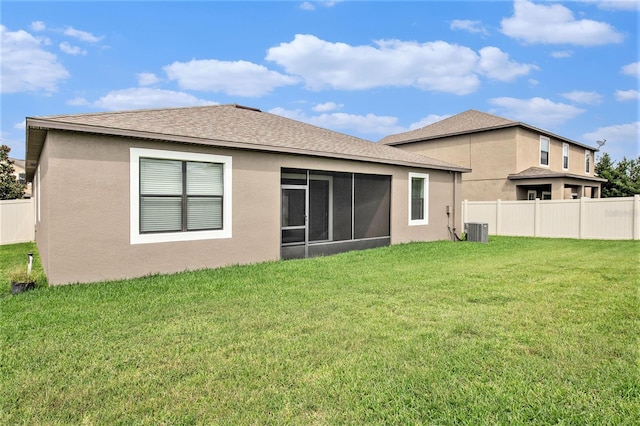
[589,98]
[555,24]
[38,26]
[561,54]
[326,107]
[81,35]
[147,79]
[495,64]
[429,119]
[71,50]
[622,139]
[77,101]
[329,3]
[25,66]
[239,78]
[145,97]
[469,26]
[632,69]
[21,125]
[617,4]
[370,124]
[437,66]
[627,95]
[536,111]
[307,6]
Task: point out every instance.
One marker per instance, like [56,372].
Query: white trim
[424,221]
[134,169]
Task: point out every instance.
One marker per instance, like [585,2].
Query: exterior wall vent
[477,232]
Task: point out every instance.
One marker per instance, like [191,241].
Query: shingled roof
[541,173]
[471,121]
[231,126]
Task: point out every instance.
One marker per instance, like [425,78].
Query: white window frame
[134,191]
[587,161]
[565,154]
[425,215]
[544,138]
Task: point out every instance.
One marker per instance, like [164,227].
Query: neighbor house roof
[231,126]
[540,173]
[467,122]
[17,163]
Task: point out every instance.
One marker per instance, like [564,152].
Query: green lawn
[520,330]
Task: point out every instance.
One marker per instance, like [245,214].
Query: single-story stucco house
[131,193]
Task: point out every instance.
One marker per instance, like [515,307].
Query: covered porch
[545,184]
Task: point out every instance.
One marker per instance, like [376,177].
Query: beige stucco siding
[84,233]
[490,155]
[528,154]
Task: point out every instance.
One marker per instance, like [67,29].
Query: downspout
[452,231]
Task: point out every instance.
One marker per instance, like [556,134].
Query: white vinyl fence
[585,218]
[16,221]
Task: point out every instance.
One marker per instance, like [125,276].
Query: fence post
[498,216]
[536,217]
[465,210]
[581,215]
[635,211]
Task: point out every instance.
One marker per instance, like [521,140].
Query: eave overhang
[37,128]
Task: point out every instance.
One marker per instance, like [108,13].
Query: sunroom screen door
[294,215]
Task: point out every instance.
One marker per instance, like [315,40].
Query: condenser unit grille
[477,232]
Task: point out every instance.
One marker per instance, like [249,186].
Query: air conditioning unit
[477,232]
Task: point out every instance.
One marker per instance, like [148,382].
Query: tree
[10,188]
[623,179]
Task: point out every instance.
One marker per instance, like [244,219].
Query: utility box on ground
[477,232]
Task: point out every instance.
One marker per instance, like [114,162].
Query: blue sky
[368,69]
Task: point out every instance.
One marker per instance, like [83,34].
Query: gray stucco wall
[84,235]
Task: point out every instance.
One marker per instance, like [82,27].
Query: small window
[22,178]
[418,199]
[546,195]
[178,196]
[565,156]
[544,151]
[587,162]
[532,194]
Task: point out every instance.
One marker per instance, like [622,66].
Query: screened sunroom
[331,212]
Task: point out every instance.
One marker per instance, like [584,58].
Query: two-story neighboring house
[19,173]
[510,160]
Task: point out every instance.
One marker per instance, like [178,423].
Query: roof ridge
[466,121]
[142,110]
[231,126]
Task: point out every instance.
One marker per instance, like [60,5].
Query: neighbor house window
[544,151]
[22,178]
[178,196]
[565,156]
[418,199]
[587,162]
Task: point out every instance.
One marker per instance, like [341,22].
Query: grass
[517,331]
